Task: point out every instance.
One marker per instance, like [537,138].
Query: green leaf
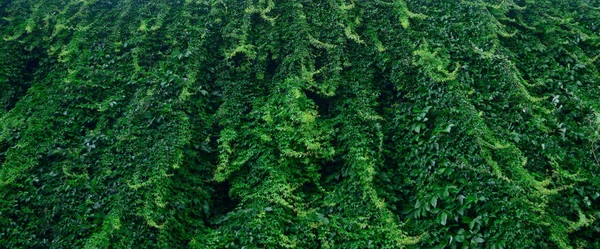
[448,128]
[472,224]
[443,218]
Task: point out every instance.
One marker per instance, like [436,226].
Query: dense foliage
[299,124]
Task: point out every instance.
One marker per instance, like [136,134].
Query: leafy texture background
[299,124]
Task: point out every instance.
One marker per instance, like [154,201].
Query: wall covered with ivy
[299,124]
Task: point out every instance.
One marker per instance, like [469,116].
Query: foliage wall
[299,124]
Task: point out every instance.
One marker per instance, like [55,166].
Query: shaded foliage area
[299,124]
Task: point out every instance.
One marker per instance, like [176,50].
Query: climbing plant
[299,124]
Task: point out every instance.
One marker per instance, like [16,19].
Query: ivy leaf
[448,128]
[443,218]
[478,240]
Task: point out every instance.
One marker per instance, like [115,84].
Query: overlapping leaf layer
[299,124]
